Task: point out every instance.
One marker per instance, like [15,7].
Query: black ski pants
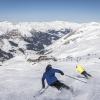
[86,74]
[59,85]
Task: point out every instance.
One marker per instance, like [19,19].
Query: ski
[84,77]
[78,76]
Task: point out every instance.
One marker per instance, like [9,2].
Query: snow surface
[85,40]
[21,80]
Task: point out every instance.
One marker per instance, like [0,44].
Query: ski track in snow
[20,80]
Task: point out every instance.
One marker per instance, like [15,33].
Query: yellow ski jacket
[80,68]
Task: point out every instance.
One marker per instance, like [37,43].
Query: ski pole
[76,79]
[40,92]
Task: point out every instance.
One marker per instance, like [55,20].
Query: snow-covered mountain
[21,80]
[34,36]
[26,27]
[50,37]
[84,41]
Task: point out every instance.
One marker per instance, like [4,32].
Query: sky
[50,10]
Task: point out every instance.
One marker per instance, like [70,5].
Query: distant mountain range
[22,38]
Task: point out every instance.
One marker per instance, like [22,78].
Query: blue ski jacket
[49,75]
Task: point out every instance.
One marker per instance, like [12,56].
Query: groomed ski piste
[21,80]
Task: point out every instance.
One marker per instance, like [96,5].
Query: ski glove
[62,73]
[43,86]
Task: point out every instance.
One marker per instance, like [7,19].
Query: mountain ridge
[39,36]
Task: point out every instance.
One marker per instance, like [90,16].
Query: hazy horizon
[78,11]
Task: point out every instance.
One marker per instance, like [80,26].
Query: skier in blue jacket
[51,79]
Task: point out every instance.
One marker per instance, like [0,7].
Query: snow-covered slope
[84,41]
[20,80]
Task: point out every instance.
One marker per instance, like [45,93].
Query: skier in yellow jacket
[81,70]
